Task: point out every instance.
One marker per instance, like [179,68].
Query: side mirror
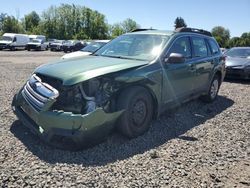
[175,58]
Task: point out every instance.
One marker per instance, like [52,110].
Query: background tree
[233,42]
[222,36]
[179,22]
[129,25]
[2,18]
[31,21]
[116,30]
[126,26]
[245,39]
[70,21]
[11,25]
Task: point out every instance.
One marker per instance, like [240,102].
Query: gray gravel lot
[197,145]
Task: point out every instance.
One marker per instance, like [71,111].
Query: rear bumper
[81,130]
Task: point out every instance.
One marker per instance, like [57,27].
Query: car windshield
[36,40]
[238,52]
[59,42]
[68,42]
[93,46]
[135,46]
[6,38]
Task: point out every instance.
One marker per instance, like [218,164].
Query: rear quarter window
[214,47]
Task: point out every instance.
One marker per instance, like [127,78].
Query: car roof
[153,32]
[178,31]
[241,47]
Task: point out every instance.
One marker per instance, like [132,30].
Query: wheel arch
[149,90]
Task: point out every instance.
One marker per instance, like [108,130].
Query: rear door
[203,62]
[178,78]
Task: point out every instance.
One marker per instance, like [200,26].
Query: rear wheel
[137,103]
[213,90]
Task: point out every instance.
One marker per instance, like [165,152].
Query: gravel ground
[197,145]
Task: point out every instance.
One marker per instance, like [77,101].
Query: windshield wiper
[122,57]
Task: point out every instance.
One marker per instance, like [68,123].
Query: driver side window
[181,46]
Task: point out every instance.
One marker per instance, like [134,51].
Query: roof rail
[194,30]
[135,30]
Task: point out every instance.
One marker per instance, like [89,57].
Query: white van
[41,37]
[37,42]
[13,41]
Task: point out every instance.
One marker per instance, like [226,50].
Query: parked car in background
[57,45]
[50,41]
[238,63]
[87,50]
[41,37]
[13,41]
[37,44]
[123,85]
[72,46]
[223,50]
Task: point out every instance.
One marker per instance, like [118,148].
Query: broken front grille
[38,93]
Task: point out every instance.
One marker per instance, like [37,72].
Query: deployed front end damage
[82,114]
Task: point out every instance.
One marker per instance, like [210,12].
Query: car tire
[213,90]
[28,49]
[12,48]
[138,106]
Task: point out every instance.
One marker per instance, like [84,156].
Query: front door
[178,78]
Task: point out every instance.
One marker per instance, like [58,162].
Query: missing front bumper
[83,130]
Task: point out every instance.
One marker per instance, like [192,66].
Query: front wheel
[12,48]
[213,90]
[136,119]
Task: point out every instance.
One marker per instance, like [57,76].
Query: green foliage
[222,35]
[2,18]
[31,21]
[179,22]
[244,40]
[11,25]
[129,25]
[70,21]
[126,26]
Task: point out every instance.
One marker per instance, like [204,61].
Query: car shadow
[171,125]
[237,81]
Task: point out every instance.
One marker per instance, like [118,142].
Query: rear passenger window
[181,46]
[200,47]
[214,46]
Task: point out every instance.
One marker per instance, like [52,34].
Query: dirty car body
[82,100]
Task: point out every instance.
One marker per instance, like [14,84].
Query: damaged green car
[124,85]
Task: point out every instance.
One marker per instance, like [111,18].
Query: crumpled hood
[73,71]
[76,54]
[237,61]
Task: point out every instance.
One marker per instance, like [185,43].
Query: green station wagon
[124,85]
